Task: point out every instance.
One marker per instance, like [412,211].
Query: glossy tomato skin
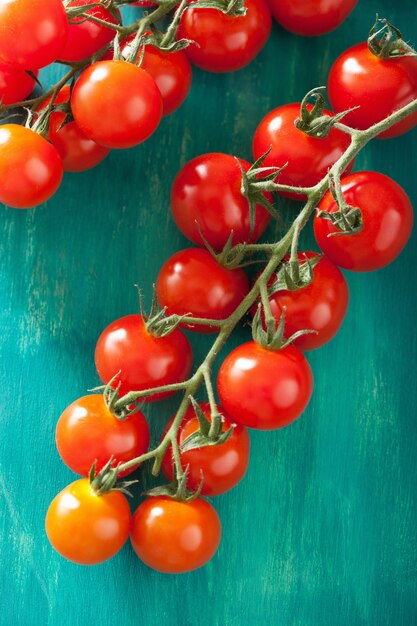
[311,17]
[175,537]
[206,191]
[32,34]
[15,84]
[320,306]
[221,466]
[88,433]
[379,87]
[224,43]
[116,104]
[87,528]
[30,167]
[86,37]
[308,158]
[144,360]
[387,217]
[78,153]
[191,281]
[264,389]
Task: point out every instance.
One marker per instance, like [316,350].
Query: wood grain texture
[322,531]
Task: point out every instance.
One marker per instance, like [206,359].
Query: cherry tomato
[192,281]
[387,217]
[206,198]
[221,466]
[15,84]
[116,104]
[377,86]
[311,17]
[85,527]
[308,158]
[262,388]
[224,43]
[30,167]
[32,34]
[86,37]
[320,306]
[78,153]
[175,537]
[144,360]
[87,432]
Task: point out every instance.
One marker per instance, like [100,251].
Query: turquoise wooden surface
[322,531]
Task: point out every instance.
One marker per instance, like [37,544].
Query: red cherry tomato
[116,104]
[175,537]
[378,87]
[320,306]
[206,191]
[78,153]
[387,217]
[264,389]
[192,281]
[15,84]
[221,466]
[85,527]
[144,360]
[311,17]
[308,158]
[32,34]
[87,432]
[30,167]
[225,43]
[86,37]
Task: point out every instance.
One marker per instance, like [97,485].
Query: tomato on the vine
[207,201]
[264,389]
[32,34]
[175,537]
[143,360]
[387,217]
[86,527]
[30,167]
[311,18]
[116,104]
[191,281]
[15,84]
[376,87]
[308,158]
[221,466]
[224,43]
[88,433]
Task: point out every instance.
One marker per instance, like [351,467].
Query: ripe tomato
[85,527]
[206,191]
[221,466]
[30,167]
[192,281]
[144,360]
[15,84]
[175,537]
[78,153]
[387,217]
[87,432]
[116,104]
[308,158]
[32,34]
[86,37]
[224,43]
[378,86]
[311,17]
[262,388]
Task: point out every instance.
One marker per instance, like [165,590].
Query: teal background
[322,531]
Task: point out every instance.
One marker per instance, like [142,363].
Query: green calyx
[106,480]
[386,42]
[156,322]
[234,8]
[315,122]
[348,219]
[205,435]
[293,275]
[272,337]
[177,489]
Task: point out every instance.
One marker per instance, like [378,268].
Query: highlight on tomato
[311,18]
[15,84]
[175,537]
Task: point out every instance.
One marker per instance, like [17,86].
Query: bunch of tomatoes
[113,97]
